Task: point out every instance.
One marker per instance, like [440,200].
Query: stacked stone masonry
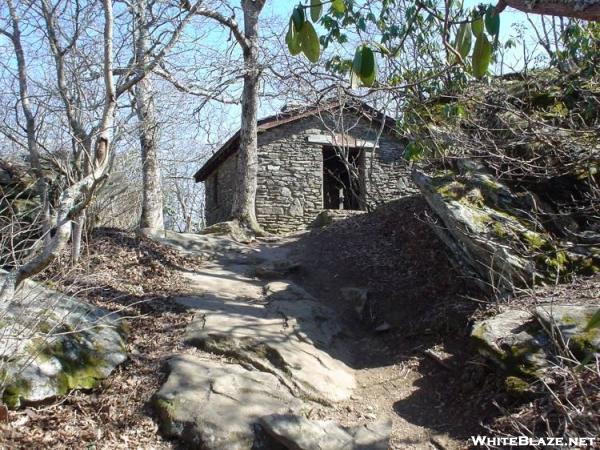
[290,176]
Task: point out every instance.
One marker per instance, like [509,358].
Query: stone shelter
[338,158]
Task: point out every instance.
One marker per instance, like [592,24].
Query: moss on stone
[515,360]
[167,412]
[15,391]
[499,230]
[535,240]
[582,344]
[81,367]
[557,261]
[516,386]
[453,190]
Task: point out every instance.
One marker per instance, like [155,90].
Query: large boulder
[51,343]
[569,325]
[215,405]
[287,337]
[491,230]
[524,343]
[514,340]
[297,432]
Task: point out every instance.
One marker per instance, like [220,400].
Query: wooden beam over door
[340,141]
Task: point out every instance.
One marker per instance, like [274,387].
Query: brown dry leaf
[3,414]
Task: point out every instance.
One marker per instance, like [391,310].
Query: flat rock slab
[521,341]
[283,337]
[513,339]
[214,405]
[285,290]
[52,343]
[296,432]
[224,283]
[206,246]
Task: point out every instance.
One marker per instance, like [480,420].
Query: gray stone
[489,228]
[568,325]
[283,337]
[290,173]
[52,343]
[296,432]
[276,269]
[514,340]
[296,208]
[216,406]
[285,290]
[522,342]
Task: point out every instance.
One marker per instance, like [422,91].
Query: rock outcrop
[217,405]
[299,433]
[490,229]
[51,343]
[266,350]
[523,342]
[282,337]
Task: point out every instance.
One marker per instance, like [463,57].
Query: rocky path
[263,366]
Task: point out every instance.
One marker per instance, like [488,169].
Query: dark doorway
[342,178]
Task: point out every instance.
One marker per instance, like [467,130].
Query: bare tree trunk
[76,197]
[30,122]
[77,232]
[244,200]
[152,201]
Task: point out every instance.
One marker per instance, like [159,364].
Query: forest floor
[419,371]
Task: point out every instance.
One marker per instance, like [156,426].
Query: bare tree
[92,144]
[30,121]
[75,198]
[243,209]
[152,202]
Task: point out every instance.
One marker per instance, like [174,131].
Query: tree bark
[76,237]
[30,122]
[152,199]
[567,8]
[244,199]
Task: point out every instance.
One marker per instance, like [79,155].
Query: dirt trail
[414,289]
[392,253]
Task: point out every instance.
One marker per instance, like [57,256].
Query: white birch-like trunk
[244,199]
[152,196]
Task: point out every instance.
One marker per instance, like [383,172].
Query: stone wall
[219,203]
[290,177]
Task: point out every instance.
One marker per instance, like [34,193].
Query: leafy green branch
[482,27]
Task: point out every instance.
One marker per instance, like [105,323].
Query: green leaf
[492,21]
[594,321]
[414,151]
[338,6]
[309,41]
[293,40]
[463,40]
[477,26]
[316,7]
[482,56]
[298,17]
[363,65]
